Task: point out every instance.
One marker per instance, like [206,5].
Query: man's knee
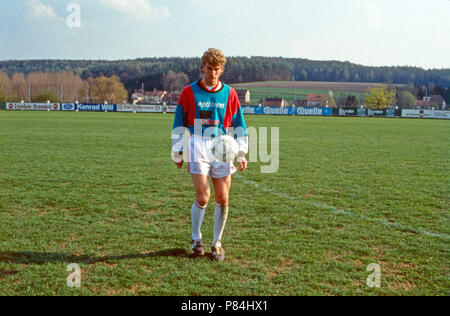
[222,200]
[203,199]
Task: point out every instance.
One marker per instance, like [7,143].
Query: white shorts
[202,161]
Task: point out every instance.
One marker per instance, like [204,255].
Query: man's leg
[202,195]
[222,188]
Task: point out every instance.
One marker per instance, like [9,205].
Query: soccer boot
[218,253]
[197,248]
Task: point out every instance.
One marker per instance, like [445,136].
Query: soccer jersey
[214,111]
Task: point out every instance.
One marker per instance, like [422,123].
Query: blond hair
[214,57]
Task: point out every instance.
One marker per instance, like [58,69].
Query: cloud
[373,13]
[39,10]
[138,8]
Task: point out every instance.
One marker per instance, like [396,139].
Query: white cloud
[373,13]
[39,10]
[138,8]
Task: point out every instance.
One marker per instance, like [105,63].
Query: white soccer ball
[225,148]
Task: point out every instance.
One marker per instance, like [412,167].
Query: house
[278,102]
[154,96]
[432,101]
[424,104]
[301,103]
[171,98]
[316,99]
[244,96]
[439,100]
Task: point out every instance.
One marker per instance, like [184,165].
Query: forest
[152,71]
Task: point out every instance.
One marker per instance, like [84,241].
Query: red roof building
[316,99]
[424,104]
[276,102]
[154,96]
[244,96]
[436,101]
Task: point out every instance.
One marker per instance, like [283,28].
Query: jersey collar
[203,87]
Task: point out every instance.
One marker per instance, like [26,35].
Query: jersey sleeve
[238,122]
[180,121]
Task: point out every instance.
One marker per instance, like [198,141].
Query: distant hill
[239,69]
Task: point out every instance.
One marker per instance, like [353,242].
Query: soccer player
[209,108]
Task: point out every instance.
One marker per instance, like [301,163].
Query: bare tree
[175,81]
[19,86]
[103,89]
[4,84]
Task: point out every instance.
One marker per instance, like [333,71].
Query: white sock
[197,216]
[220,219]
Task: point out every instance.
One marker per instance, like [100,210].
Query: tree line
[151,71]
[62,87]
[115,81]
[389,95]
[68,87]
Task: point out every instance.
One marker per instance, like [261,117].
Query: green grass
[258,93]
[100,190]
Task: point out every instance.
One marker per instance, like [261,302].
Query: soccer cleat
[218,253]
[197,248]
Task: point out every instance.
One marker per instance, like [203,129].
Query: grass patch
[100,190]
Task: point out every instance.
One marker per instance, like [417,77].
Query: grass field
[257,94]
[100,190]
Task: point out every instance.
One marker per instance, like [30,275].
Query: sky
[367,32]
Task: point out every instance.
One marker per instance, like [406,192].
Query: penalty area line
[335,210]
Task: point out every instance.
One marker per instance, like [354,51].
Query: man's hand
[179,164]
[178,159]
[243,164]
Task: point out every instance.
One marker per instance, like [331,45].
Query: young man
[209,108]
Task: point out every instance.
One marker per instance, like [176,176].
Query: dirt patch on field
[285,265]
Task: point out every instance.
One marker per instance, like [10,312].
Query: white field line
[335,210]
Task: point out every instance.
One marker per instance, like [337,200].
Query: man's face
[212,73]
